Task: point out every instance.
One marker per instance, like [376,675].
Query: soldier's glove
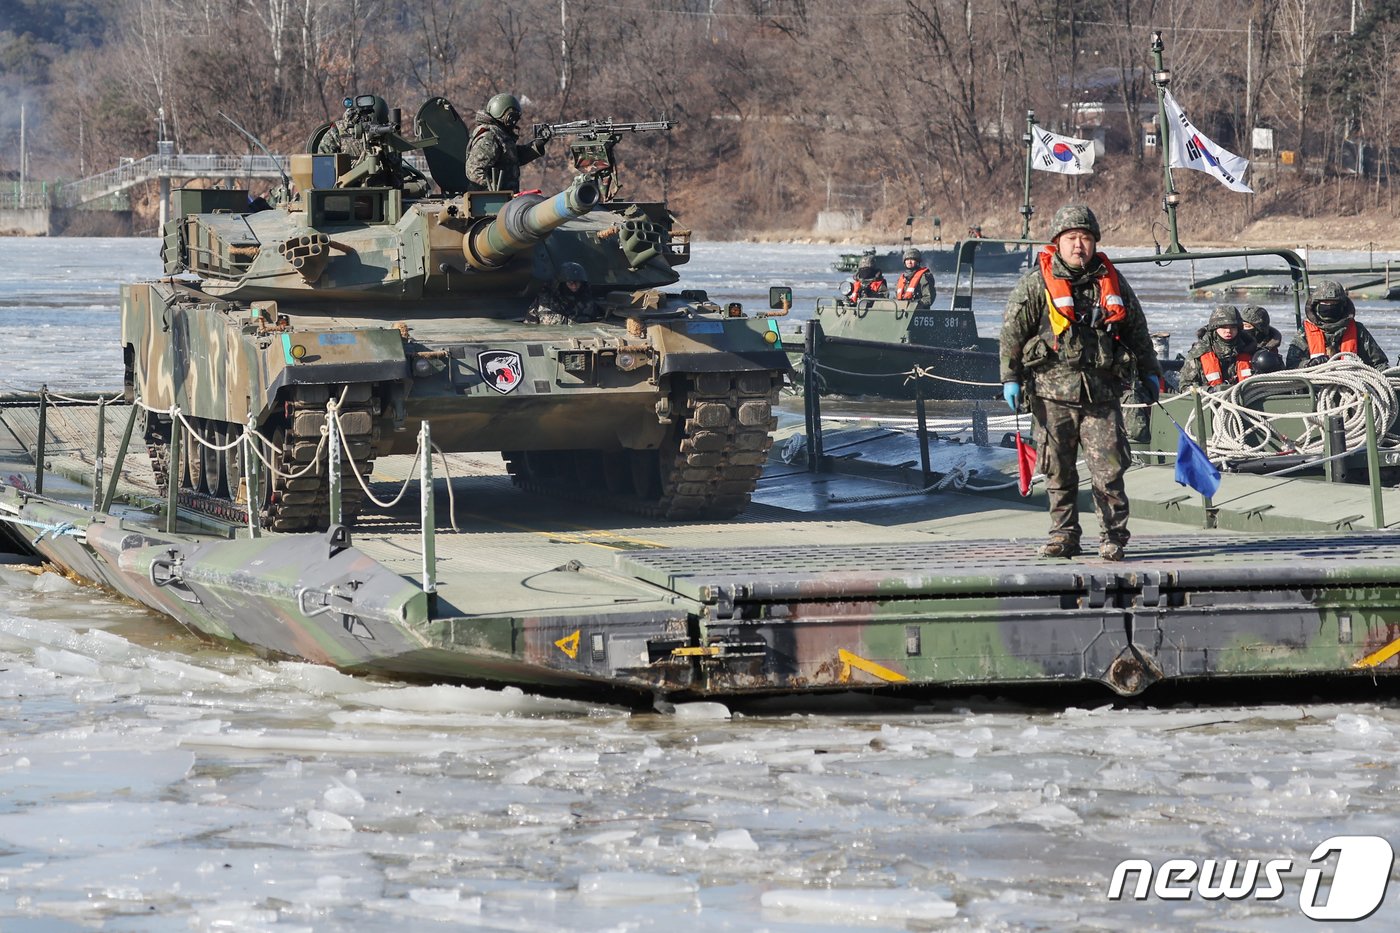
[1011,391]
[1151,389]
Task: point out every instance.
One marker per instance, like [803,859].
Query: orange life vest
[1060,301]
[866,288]
[1317,340]
[1213,371]
[907,286]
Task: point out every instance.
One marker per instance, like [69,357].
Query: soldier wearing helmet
[1074,338]
[869,281]
[565,302]
[494,152]
[1222,354]
[916,281]
[1330,327]
[1256,325]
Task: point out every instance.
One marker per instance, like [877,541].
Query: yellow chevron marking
[1380,657]
[849,661]
[569,644]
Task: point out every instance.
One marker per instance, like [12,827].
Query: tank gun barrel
[526,220]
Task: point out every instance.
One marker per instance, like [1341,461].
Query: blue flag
[1193,467]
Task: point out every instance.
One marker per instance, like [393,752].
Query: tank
[403,306]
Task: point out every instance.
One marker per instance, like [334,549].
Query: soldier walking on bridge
[495,153]
[1072,332]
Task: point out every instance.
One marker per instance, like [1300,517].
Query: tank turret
[524,221]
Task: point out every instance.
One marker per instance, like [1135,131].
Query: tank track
[296,504]
[708,466]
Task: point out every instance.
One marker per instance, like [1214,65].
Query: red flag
[1025,464]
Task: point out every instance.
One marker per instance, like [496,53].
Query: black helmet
[572,272]
[1330,303]
[1266,361]
[1255,317]
[1225,316]
[504,108]
[373,106]
[1074,217]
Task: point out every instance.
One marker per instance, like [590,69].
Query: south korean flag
[1062,154]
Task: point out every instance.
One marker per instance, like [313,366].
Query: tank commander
[1256,325]
[361,132]
[916,283]
[1330,327]
[565,302]
[1222,354]
[1071,335]
[869,281]
[494,152]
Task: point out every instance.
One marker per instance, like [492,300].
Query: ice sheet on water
[608,887]
[869,906]
[94,827]
[85,772]
[451,699]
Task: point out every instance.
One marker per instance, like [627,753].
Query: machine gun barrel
[597,127]
[526,220]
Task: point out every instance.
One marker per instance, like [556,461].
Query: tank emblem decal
[501,369]
[569,644]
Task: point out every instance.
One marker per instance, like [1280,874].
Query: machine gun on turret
[371,134]
[591,145]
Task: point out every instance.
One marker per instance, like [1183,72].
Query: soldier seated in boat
[1222,354]
[869,282]
[1256,324]
[916,281]
[1330,327]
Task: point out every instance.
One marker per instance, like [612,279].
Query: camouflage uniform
[560,304]
[927,289]
[1075,391]
[1266,336]
[1226,351]
[495,148]
[341,137]
[1331,294]
[869,282]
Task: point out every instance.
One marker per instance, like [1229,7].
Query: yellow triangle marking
[569,644]
[849,661]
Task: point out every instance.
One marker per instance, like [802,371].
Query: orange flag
[1025,464]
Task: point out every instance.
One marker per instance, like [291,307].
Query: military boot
[1059,547]
[1111,550]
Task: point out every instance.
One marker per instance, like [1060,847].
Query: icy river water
[152,782]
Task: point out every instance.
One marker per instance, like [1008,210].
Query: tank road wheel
[210,466]
[231,461]
[617,471]
[190,465]
[645,473]
[157,437]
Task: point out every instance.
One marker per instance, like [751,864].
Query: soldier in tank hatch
[916,281]
[1330,327]
[1072,335]
[567,301]
[494,152]
[1222,354]
[869,281]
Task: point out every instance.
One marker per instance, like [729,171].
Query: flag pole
[1161,77]
[1026,209]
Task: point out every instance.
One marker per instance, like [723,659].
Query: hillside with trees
[784,107]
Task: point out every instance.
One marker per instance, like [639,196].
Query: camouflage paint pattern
[1061,431]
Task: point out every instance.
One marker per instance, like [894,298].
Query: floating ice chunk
[1050,814]
[342,799]
[859,905]
[522,775]
[53,583]
[325,821]
[736,839]
[701,711]
[622,887]
[445,897]
[1350,724]
[17,579]
[609,837]
[445,698]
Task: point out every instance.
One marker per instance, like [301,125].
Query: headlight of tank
[628,360]
[422,367]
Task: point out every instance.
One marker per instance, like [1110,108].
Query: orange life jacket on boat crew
[1214,372]
[907,286]
[866,288]
[1060,301]
[1317,340]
